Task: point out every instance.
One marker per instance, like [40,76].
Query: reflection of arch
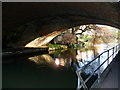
[42,59]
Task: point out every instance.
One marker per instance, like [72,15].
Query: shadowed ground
[112,79]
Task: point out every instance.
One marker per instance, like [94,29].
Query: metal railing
[81,82]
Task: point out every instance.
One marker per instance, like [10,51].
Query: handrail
[84,67]
[115,49]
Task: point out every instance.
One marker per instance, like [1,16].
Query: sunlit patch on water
[57,62]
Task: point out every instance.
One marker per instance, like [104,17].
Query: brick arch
[23,22]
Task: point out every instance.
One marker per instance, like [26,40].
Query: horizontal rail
[84,67]
[96,70]
[103,63]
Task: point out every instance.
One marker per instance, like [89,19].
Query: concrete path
[112,79]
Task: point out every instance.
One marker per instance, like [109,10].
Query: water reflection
[75,58]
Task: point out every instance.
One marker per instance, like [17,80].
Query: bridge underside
[23,22]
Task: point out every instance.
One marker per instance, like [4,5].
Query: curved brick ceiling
[43,18]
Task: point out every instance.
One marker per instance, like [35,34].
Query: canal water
[52,70]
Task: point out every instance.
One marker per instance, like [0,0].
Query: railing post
[80,81]
[98,70]
[116,48]
[98,66]
[78,86]
[113,53]
[119,47]
[108,58]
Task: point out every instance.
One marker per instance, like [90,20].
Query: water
[53,70]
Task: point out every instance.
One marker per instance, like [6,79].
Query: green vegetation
[57,51]
[56,47]
[85,38]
